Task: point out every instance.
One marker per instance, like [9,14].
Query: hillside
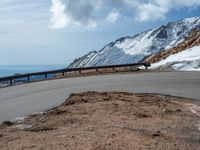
[141,46]
[192,40]
[184,57]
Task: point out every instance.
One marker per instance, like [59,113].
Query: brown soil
[109,120]
[192,40]
[100,71]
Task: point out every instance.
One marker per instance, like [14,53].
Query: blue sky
[58,31]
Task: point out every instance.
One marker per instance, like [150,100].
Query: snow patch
[18,120]
[138,45]
[196,110]
[22,126]
[187,60]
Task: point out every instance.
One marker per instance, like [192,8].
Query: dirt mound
[192,40]
[108,120]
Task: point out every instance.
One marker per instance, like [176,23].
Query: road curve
[22,100]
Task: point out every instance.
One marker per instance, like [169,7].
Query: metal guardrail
[63,71]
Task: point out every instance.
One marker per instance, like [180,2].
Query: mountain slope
[192,40]
[183,57]
[137,48]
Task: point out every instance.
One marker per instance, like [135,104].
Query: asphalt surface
[22,100]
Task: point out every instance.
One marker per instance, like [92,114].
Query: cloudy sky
[58,31]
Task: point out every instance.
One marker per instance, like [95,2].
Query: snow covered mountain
[185,56]
[137,48]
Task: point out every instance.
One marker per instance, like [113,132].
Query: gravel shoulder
[108,120]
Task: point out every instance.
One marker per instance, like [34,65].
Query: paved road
[25,99]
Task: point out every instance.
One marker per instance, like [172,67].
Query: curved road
[18,101]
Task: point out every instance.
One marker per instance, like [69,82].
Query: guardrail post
[11,82]
[146,67]
[28,78]
[45,75]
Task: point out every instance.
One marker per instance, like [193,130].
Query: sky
[58,31]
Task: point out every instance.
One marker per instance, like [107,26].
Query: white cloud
[92,24]
[185,3]
[113,17]
[59,18]
[158,9]
[151,12]
[79,13]
[87,13]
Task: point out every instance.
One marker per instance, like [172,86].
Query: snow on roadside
[187,60]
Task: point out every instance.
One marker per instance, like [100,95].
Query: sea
[9,70]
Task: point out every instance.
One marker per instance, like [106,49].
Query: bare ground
[109,120]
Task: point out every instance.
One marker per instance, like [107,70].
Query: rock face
[139,47]
[192,40]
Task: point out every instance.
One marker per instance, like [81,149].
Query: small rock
[158,133]
[90,128]
[113,135]
[155,134]
[166,110]
[178,110]
[7,123]
[143,115]
[57,112]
